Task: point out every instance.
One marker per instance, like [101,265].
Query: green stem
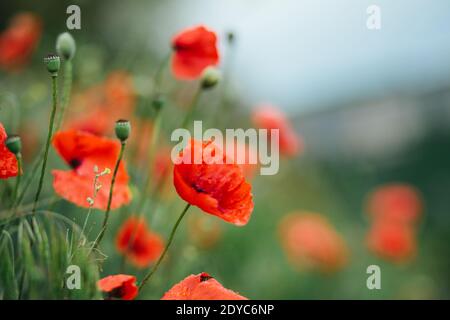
[169,242]
[19,174]
[67,88]
[111,191]
[154,140]
[192,108]
[34,170]
[156,130]
[159,73]
[47,145]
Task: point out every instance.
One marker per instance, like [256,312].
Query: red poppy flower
[268,117]
[398,202]
[217,188]
[311,242]
[83,152]
[194,50]
[138,243]
[119,286]
[8,161]
[18,42]
[200,287]
[392,240]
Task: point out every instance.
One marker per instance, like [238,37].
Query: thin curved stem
[159,73]
[111,191]
[156,129]
[67,88]
[49,138]
[169,242]
[154,140]
[34,170]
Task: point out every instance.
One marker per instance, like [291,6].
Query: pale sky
[302,54]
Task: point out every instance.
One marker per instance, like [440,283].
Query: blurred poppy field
[92,205]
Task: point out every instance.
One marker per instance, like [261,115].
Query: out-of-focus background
[372,108]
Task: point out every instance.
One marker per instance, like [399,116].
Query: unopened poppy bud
[123,128]
[230,37]
[53,63]
[14,144]
[65,45]
[210,77]
[158,102]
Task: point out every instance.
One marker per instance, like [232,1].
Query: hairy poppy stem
[67,88]
[16,188]
[49,138]
[192,108]
[169,242]
[111,191]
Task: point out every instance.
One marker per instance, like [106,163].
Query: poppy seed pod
[123,128]
[53,62]
[14,144]
[65,46]
[210,77]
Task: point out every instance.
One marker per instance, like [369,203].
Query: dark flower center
[198,189]
[75,163]
[116,293]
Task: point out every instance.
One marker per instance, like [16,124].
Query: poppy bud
[158,102]
[14,144]
[210,77]
[230,37]
[53,63]
[65,45]
[123,128]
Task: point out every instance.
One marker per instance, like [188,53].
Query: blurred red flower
[163,163]
[96,109]
[194,50]
[83,151]
[200,287]
[392,240]
[217,188]
[8,161]
[138,243]
[19,40]
[397,202]
[311,242]
[269,117]
[119,286]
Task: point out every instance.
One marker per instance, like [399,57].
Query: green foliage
[35,252]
